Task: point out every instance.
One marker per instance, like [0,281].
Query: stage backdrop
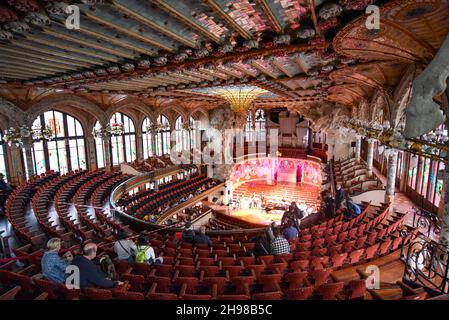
[278,169]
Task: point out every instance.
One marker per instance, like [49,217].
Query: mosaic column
[16,169]
[370,157]
[106,152]
[310,140]
[391,176]
[444,234]
[139,146]
[27,145]
[358,148]
[91,152]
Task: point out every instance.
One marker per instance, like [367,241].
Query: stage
[277,198]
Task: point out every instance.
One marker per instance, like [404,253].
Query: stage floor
[258,216]
[280,193]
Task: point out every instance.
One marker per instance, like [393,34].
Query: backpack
[141,255]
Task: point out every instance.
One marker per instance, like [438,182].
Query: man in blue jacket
[90,275]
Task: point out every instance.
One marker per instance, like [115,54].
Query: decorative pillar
[444,234]
[27,145]
[139,145]
[370,157]
[228,192]
[391,176]
[106,152]
[310,140]
[156,185]
[92,161]
[16,170]
[358,148]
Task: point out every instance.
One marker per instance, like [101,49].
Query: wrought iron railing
[427,222]
[426,264]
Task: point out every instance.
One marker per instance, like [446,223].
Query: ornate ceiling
[306,52]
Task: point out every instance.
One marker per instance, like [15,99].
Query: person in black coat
[90,275]
[188,234]
[339,197]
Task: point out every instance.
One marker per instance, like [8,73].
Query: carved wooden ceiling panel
[304,51]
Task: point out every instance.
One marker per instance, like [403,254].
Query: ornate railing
[427,222]
[426,265]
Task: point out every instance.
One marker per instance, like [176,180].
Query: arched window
[66,151]
[123,147]
[163,137]
[99,148]
[3,163]
[181,135]
[260,125]
[147,138]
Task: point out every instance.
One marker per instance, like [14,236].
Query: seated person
[188,234]
[52,264]
[279,245]
[290,232]
[145,253]
[124,248]
[352,209]
[202,238]
[90,275]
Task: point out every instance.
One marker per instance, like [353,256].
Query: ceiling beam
[127,32]
[282,68]
[262,69]
[314,17]
[145,20]
[51,51]
[70,47]
[42,63]
[31,66]
[216,7]
[270,15]
[186,20]
[89,30]
[87,43]
[39,55]
[301,65]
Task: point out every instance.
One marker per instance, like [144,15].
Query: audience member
[90,275]
[202,238]
[279,245]
[145,253]
[188,234]
[352,209]
[339,197]
[125,248]
[52,264]
[290,232]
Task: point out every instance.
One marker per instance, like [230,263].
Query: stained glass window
[163,137]
[147,138]
[260,125]
[66,151]
[123,148]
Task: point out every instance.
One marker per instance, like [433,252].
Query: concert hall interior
[224,150]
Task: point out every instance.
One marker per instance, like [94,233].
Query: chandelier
[433,145]
[116,129]
[16,136]
[157,127]
[240,98]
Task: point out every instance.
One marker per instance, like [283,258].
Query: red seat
[46,286]
[354,256]
[233,297]
[136,281]
[357,289]
[338,259]
[98,294]
[120,295]
[299,293]
[242,284]
[296,279]
[277,295]
[299,265]
[270,282]
[328,291]
[208,271]
[186,270]
[320,276]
